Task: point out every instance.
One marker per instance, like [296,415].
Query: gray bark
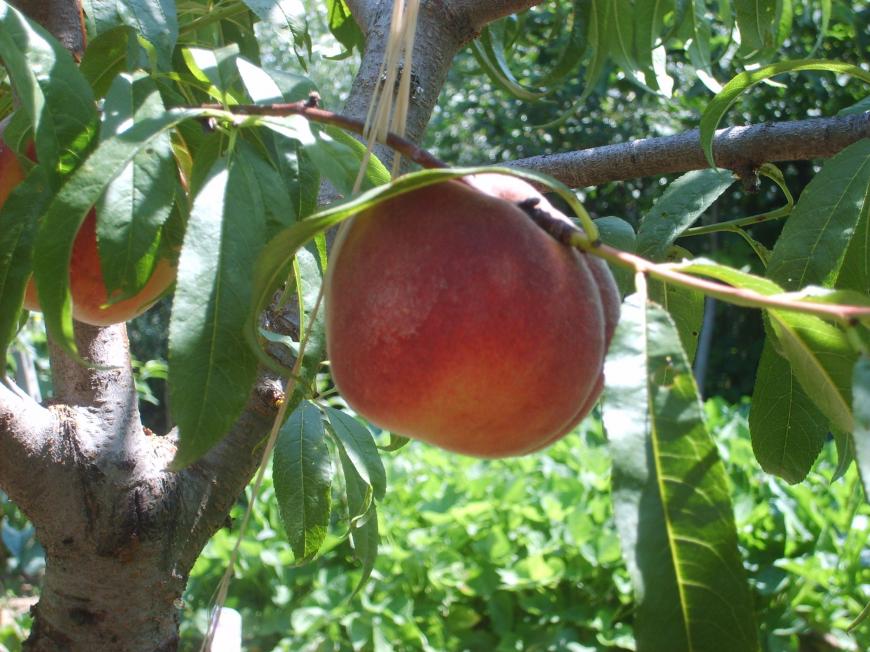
[736,148]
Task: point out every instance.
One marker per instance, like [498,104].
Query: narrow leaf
[138,201]
[302,473]
[52,91]
[211,369]
[745,80]
[365,546]
[821,359]
[19,220]
[67,211]
[861,406]
[671,496]
[756,21]
[155,20]
[360,446]
[678,207]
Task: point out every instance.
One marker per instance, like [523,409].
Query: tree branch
[106,386]
[740,149]
[474,15]
[27,433]
[362,11]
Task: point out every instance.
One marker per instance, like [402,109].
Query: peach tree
[163,120]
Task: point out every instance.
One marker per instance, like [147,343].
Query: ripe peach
[88,290]
[89,295]
[454,319]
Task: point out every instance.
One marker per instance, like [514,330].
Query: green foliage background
[523,554]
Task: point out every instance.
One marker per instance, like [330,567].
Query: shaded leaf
[671,496]
[302,473]
[618,233]
[52,91]
[156,20]
[861,406]
[360,446]
[684,200]
[787,429]
[211,369]
[19,220]
[756,20]
[365,546]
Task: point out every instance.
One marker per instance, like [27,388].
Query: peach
[89,295]
[454,319]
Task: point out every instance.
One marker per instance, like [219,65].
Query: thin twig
[309,110]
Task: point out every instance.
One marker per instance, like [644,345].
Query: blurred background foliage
[522,554]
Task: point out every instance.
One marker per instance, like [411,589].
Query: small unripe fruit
[454,319]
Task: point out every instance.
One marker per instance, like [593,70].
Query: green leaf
[745,80]
[817,234]
[855,270]
[671,495]
[106,57]
[67,211]
[698,33]
[821,359]
[364,538]
[677,208]
[344,27]
[686,308]
[137,202]
[359,491]
[756,20]
[787,429]
[861,406]
[155,20]
[290,14]
[217,68]
[618,233]
[360,447]
[52,91]
[599,20]
[489,50]
[19,220]
[302,472]
[211,370]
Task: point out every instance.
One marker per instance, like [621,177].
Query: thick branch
[362,11]
[63,18]
[735,148]
[474,15]
[27,433]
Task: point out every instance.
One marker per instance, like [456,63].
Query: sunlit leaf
[671,496]
[861,406]
[815,239]
[138,201]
